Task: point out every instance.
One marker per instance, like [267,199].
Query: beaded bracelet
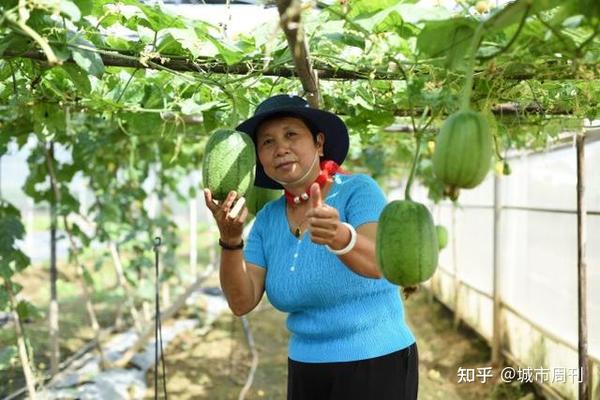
[226,246]
[350,245]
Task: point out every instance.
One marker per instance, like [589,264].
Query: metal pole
[497,333]
[457,282]
[584,393]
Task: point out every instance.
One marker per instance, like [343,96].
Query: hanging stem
[42,42]
[418,137]
[514,38]
[126,85]
[468,88]
[497,148]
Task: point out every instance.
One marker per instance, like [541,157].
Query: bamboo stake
[584,389]
[122,281]
[53,310]
[254,365]
[27,370]
[80,269]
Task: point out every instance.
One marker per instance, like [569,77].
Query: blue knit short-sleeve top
[334,314]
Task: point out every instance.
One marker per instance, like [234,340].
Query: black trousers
[394,376]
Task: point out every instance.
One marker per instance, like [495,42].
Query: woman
[314,252]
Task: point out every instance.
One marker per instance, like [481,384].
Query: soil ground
[216,365]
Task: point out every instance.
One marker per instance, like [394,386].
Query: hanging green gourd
[258,197]
[463,150]
[442,236]
[406,245]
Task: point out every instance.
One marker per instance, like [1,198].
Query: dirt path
[215,366]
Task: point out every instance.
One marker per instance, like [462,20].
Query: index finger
[212,206]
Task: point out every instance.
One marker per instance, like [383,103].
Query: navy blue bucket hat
[336,133]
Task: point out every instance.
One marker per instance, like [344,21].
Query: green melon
[229,163]
[257,197]
[442,236]
[463,150]
[406,243]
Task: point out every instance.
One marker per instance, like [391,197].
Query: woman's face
[286,149]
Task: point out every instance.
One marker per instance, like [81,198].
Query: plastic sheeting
[538,250]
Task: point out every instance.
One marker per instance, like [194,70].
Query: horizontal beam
[324,71]
[183,65]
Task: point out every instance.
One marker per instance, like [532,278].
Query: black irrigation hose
[158,328]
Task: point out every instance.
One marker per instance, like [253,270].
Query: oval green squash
[229,163]
[463,150]
[257,197]
[406,245]
[442,236]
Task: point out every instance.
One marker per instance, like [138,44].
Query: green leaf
[143,124]
[573,21]
[189,106]
[88,278]
[79,77]
[21,260]
[381,22]
[76,230]
[514,11]
[158,18]
[360,8]
[85,6]
[374,159]
[119,43]
[14,42]
[7,355]
[69,9]
[88,60]
[27,310]
[6,271]
[61,51]
[49,116]
[347,39]
[172,40]
[393,17]
[11,229]
[457,34]
[230,53]
[4,299]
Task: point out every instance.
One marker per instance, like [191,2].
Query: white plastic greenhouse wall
[537,264]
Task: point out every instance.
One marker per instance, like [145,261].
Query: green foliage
[12,260]
[136,133]
[7,355]
[457,33]
[26,310]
